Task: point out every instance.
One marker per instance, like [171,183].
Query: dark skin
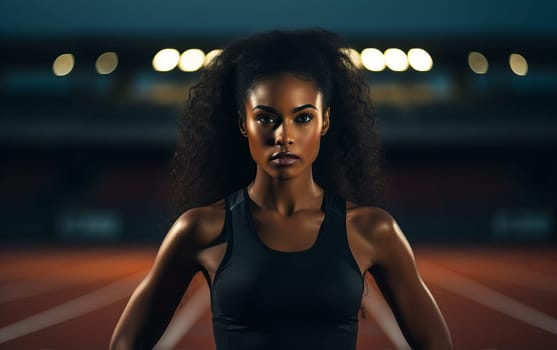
[287,200]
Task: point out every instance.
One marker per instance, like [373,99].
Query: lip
[285,160]
[285,154]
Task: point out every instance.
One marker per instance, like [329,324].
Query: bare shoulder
[200,225]
[378,229]
[372,222]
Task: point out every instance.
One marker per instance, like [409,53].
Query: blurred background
[90,93]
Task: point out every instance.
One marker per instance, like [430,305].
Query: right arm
[154,301]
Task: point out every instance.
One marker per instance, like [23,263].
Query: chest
[305,286]
[293,234]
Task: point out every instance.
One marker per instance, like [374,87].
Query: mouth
[284,158]
[284,154]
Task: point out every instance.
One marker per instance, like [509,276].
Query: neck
[285,196]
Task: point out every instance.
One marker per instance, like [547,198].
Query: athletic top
[263,298]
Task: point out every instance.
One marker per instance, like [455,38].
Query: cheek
[311,140]
[309,145]
[257,146]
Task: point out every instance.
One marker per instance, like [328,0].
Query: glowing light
[373,59]
[477,62]
[107,63]
[518,64]
[354,56]
[396,60]
[166,60]
[191,60]
[211,55]
[420,60]
[63,64]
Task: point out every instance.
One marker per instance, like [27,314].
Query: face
[284,113]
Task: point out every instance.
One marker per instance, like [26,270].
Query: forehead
[284,90]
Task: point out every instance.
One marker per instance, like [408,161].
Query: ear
[242,125]
[326,121]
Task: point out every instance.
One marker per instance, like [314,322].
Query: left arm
[395,272]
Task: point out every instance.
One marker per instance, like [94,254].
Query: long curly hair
[212,158]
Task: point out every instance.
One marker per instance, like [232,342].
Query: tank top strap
[230,201]
[337,203]
[239,244]
[336,239]
[334,209]
[237,205]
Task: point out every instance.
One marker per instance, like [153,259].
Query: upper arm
[397,277]
[153,302]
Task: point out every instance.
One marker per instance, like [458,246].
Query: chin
[285,178]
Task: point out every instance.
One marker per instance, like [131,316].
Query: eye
[307,117]
[266,119]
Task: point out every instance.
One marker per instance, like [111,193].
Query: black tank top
[263,298]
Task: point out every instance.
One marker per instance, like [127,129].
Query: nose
[283,135]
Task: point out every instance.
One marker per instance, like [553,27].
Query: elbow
[117,343]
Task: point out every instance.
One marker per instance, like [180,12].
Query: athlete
[279,192]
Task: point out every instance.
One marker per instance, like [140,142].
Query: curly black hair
[212,158]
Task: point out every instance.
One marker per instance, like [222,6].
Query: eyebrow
[272,110]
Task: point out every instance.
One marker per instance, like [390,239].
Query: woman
[283,252]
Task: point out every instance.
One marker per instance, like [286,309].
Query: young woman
[278,190]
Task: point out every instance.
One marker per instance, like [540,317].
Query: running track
[62,298]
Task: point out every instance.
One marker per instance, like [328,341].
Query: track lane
[472,325]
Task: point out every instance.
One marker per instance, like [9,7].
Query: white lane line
[375,304]
[481,294]
[51,281]
[71,309]
[192,310]
[516,275]
[24,289]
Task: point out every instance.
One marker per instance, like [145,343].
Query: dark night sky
[63,18]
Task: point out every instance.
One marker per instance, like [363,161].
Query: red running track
[62,298]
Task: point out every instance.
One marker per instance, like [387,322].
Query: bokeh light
[210,55]
[396,60]
[373,59]
[478,62]
[191,60]
[63,64]
[107,63]
[166,60]
[420,60]
[354,56]
[518,64]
